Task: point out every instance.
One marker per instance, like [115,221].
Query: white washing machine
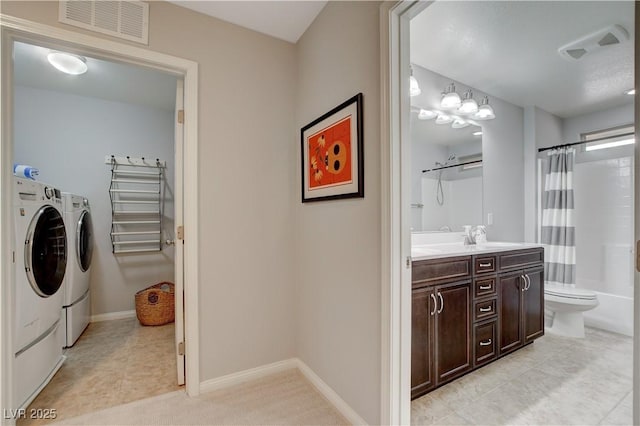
[40,265]
[77,303]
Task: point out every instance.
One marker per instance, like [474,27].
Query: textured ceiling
[106,80]
[510,50]
[286,20]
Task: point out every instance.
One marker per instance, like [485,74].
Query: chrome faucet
[474,235]
[469,238]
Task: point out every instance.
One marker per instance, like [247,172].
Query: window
[609,138]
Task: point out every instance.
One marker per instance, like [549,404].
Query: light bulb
[444,119]
[68,63]
[469,105]
[485,111]
[426,114]
[459,123]
[414,88]
[450,99]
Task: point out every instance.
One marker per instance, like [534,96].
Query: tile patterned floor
[112,363]
[554,381]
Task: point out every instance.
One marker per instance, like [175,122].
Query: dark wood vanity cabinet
[441,324]
[521,299]
[469,310]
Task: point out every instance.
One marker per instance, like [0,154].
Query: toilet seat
[569,292]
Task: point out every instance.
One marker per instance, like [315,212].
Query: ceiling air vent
[610,36]
[127,19]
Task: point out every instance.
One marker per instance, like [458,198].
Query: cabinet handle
[485,343]
[435,304]
[528,282]
[487,309]
[485,265]
[485,287]
[441,302]
[523,283]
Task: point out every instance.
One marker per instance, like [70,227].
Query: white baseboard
[113,316]
[246,375]
[331,395]
[276,367]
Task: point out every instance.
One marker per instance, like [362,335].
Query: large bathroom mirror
[446,161]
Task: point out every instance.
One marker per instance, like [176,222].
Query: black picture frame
[333,163]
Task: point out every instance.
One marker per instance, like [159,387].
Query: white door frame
[395,259]
[395,202]
[17,29]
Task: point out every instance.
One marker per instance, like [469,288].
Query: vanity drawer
[425,272]
[484,336]
[485,286]
[484,264]
[521,259]
[484,309]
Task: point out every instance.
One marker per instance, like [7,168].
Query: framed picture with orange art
[332,154]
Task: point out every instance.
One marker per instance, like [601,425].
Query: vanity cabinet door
[510,311]
[533,304]
[422,336]
[453,331]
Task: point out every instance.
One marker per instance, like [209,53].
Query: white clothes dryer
[40,264]
[77,303]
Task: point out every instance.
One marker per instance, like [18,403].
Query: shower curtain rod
[565,145]
[452,165]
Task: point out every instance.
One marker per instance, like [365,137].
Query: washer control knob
[49,192]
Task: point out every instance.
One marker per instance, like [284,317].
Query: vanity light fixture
[485,111]
[450,99]
[414,88]
[630,92]
[444,119]
[459,123]
[426,114]
[469,105]
[67,62]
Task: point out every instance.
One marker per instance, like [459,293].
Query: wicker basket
[155,305]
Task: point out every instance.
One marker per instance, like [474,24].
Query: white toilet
[567,305]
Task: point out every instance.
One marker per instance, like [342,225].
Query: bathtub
[614,313]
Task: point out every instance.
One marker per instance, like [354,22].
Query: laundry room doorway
[183,161]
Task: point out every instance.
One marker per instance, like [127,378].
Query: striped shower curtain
[558,231]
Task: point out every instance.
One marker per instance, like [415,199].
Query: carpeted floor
[285,398]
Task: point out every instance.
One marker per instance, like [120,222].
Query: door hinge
[13,255]
[180,232]
[180,116]
[181,348]
[638,255]
[408,262]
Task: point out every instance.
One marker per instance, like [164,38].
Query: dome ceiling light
[68,63]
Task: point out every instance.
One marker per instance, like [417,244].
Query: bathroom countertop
[437,251]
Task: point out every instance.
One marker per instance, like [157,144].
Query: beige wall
[338,242]
[246,105]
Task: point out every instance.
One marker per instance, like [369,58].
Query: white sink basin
[426,251]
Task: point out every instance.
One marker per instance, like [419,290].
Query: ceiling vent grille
[127,19]
[610,36]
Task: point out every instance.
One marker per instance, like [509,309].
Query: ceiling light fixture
[459,123]
[478,133]
[444,119]
[630,92]
[68,63]
[469,105]
[485,111]
[425,114]
[450,99]
[414,88]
